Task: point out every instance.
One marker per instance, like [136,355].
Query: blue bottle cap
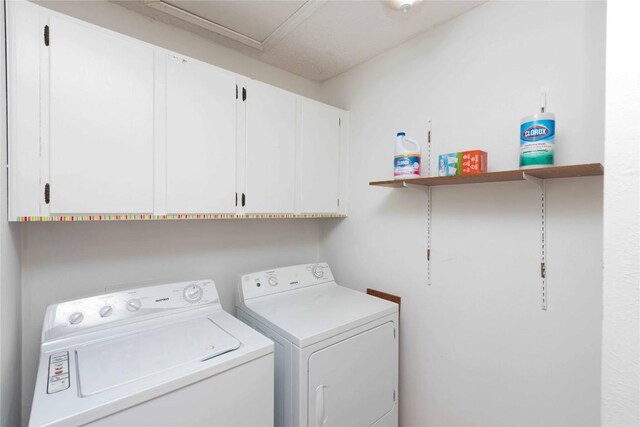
[401,134]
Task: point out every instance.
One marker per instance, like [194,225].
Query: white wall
[475,347]
[621,324]
[66,261]
[10,305]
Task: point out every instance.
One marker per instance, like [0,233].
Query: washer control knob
[134,304]
[192,293]
[106,311]
[317,271]
[76,318]
[273,280]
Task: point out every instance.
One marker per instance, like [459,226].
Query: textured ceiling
[336,37]
[254,18]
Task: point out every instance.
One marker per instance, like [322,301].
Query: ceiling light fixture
[405,5]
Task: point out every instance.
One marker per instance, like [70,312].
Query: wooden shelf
[590,169]
[535,176]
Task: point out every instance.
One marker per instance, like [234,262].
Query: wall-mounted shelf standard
[534,176]
[590,169]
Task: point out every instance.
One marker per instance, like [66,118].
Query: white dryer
[336,350]
[162,355]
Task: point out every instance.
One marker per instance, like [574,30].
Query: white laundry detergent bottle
[406,163]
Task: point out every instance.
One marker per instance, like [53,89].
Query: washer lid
[309,315]
[119,361]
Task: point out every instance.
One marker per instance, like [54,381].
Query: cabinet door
[201,138]
[318,158]
[270,149]
[24,38]
[101,121]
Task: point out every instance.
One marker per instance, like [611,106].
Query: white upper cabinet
[100,121]
[270,149]
[318,159]
[201,137]
[103,124]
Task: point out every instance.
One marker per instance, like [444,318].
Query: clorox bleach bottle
[538,138]
[406,163]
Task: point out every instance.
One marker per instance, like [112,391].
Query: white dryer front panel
[352,382]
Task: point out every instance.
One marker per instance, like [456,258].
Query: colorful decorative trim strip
[144,217]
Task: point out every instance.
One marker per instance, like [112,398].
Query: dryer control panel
[73,316]
[284,279]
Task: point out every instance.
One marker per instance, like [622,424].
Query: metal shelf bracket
[426,168]
[427,190]
[541,184]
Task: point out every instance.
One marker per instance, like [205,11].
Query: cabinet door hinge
[244,94]
[340,122]
[47,195]
[394,395]
[394,332]
[46,35]
[244,199]
[338,202]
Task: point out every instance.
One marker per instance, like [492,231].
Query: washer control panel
[284,279]
[70,317]
[58,372]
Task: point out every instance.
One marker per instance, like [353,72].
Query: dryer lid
[118,361]
[312,314]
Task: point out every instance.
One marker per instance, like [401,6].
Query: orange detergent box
[473,162]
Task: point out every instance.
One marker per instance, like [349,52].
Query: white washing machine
[162,355]
[336,350]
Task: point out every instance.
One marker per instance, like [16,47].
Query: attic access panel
[259,24]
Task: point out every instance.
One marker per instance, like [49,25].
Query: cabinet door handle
[243,199]
[47,193]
